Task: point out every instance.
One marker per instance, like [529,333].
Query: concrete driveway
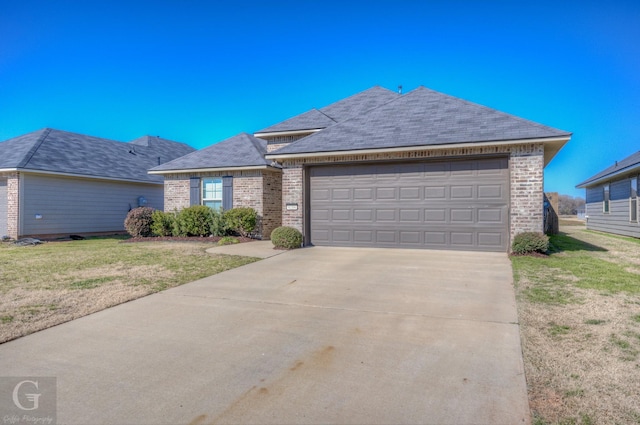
[317,335]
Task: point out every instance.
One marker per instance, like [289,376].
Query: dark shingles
[336,112]
[243,150]
[71,153]
[310,120]
[422,117]
[628,164]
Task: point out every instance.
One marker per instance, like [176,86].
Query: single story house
[612,198]
[381,169]
[54,182]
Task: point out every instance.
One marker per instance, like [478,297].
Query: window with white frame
[212,193]
[633,200]
[605,197]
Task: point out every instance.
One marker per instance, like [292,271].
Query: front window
[633,201]
[605,203]
[212,193]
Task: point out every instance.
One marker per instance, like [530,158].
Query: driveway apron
[316,335]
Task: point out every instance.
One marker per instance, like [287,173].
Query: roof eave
[552,147]
[625,170]
[75,175]
[214,169]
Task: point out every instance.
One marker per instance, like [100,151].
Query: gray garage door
[3,207]
[439,205]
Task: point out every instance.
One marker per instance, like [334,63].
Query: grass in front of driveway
[48,284]
[580,337]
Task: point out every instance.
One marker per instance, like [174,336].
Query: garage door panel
[490,191]
[435,192]
[441,205]
[462,192]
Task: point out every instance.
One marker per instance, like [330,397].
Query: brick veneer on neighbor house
[13,205]
[526,162]
[260,190]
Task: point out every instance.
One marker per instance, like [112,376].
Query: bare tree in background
[568,205]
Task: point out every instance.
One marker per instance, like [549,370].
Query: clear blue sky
[201,71]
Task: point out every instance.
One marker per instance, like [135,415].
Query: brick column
[527,181]
[292,194]
[13,204]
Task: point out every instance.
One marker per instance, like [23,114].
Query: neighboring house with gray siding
[612,198]
[55,182]
[381,169]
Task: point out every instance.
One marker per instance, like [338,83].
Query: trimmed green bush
[286,237]
[529,242]
[241,220]
[138,222]
[194,221]
[162,223]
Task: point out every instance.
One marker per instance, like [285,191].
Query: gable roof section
[422,118]
[62,152]
[628,165]
[336,112]
[240,151]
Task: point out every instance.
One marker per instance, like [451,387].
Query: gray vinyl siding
[620,189]
[3,207]
[617,220]
[73,205]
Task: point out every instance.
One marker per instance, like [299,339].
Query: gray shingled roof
[243,150]
[71,153]
[336,112]
[422,117]
[629,164]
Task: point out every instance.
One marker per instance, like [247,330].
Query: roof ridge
[35,147]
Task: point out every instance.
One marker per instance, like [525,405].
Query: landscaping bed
[579,313]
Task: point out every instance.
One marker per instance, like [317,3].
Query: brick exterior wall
[526,163]
[176,193]
[13,203]
[276,142]
[271,202]
[292,184]
[527,181]
[258,189]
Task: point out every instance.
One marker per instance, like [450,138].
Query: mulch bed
[203,239]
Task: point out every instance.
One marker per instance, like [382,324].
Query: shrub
[218,224]
[241,220]
[228,240]
[529,242]
[286,237]
[194,221]
[138,222]
[162,223]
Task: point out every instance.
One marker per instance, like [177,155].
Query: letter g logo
[31,397]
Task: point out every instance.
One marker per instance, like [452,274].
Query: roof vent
[159,161]
[400,89]
[132,151]
[616,163]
